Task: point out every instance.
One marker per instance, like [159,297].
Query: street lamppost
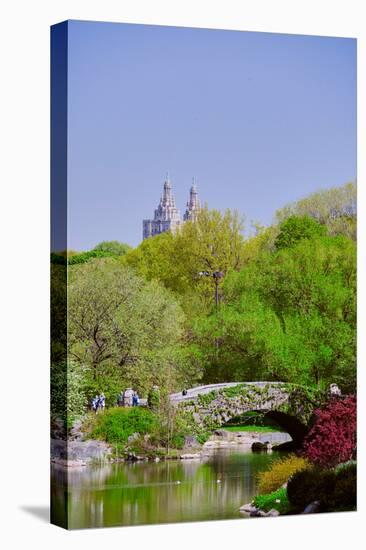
[217,275]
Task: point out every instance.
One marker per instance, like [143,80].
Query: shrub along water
[276,500]
[280,471]
[332,439]
[334,489]
[117,424]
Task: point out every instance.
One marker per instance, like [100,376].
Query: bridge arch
[290,405]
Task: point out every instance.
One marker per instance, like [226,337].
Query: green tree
[213,243]
[114,247]
[120,325]
[287,316]
[335,207]
[296,228]
[68,391]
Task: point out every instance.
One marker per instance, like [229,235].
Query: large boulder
[224,434]
[312,508]
[258,446]
[273,513]
[248,508]
[79,452]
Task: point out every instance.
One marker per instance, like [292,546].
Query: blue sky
[258,119]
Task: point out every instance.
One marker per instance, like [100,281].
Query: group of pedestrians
[98,403]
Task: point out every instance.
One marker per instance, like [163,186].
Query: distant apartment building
[167,216]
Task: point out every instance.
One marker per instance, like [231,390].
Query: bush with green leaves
[115,425]
[276,500]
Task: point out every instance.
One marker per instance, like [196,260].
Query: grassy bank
[252,428]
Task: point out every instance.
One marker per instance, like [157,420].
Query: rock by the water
[312,508]
[190,456]
[248,508]
[79,452]
[131,457]
[257,514]
[272,513]
[258,446]
[287,446]
[224,434]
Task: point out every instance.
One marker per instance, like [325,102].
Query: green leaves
[120,325]
[113,247]
[335,208]
[287,315]
[297,228]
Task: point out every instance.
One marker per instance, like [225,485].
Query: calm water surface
[148,492]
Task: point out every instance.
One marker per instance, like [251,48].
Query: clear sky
[258,119]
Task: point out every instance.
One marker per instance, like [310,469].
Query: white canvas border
[25,232]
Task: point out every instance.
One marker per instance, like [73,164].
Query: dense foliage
[280,471]
[128,331]
[336,208]
[117,424]
[113,247]
[288,315]
[297,228]
[334,490]
[79,258]
[68,390]
[276,500]
[332,439]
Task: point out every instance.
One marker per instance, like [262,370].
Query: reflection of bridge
[290,405]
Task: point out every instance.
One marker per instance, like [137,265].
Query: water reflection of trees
[129,494]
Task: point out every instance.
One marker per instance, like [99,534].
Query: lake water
[164,492]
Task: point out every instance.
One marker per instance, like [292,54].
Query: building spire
[193,204]
[167,215]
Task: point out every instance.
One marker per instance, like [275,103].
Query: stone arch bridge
[290,405]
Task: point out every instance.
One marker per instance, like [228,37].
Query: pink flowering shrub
[332,439]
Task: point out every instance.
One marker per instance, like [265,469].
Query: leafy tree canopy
[213,243]
[287,316]
[335,207]
[114,247]
[296,228]
[127,330]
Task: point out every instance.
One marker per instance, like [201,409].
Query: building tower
[193,205]
[166,216]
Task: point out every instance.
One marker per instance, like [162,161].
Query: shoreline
[79,453]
